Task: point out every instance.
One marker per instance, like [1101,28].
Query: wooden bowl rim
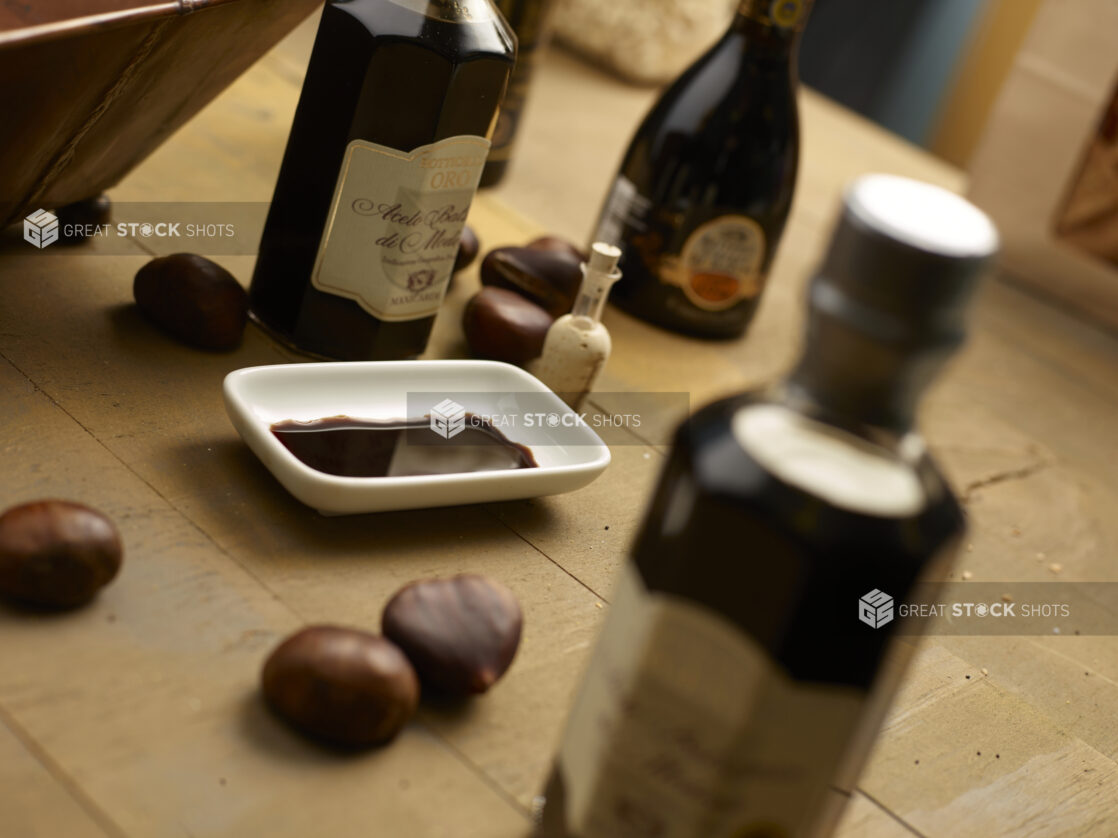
[105,20]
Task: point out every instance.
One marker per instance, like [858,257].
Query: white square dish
[569,453]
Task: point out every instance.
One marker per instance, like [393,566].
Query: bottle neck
[591,300]
[589,305]
[887,306]
[598,275]
[865,368]
[778,23]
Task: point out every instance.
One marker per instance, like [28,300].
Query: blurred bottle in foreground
[704,190]
[748,656]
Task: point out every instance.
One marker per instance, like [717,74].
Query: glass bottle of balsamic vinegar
[529,20]
[739,677]
[388,145]
[704,191]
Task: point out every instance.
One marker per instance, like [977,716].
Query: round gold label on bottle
[721,262]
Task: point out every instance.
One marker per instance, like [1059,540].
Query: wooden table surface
[140,716]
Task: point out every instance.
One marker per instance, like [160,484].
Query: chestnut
[76,220]
[341,685]
[468,249]
[503,326]
[461,634]
[57,553]
[549,278]
[193,299]
[557,245]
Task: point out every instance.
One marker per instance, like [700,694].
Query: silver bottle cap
[888,305]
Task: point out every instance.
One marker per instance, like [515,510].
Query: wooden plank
[157,408]
[148,699]
[1069,679]
[960,757]
[36,801]
[191,456]
[290,56]
[864,818]
[1049,374]
[193,459]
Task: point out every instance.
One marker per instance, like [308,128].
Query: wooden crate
[1037,168]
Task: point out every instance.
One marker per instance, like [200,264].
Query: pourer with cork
[577,344]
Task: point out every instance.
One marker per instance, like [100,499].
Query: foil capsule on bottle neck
[888,305]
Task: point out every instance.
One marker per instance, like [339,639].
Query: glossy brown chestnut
[57,553]
[461,634]
[557,245]
[549,278]
[342,685]
[193,299]
[468,249]
[503,326]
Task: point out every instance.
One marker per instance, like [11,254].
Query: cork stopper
[603,258]
[598,275]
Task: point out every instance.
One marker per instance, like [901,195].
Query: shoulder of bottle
[757,435]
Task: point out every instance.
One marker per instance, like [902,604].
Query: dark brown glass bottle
[528,19]
[389,140]
[704,190]
[748,656]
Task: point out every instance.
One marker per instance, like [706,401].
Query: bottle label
[720,263]
[395,222]
[685,728]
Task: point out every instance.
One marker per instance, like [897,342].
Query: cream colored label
[395,222]
[684,728]
[720,263]
[822,460]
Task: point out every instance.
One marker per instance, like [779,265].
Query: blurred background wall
[928,70]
